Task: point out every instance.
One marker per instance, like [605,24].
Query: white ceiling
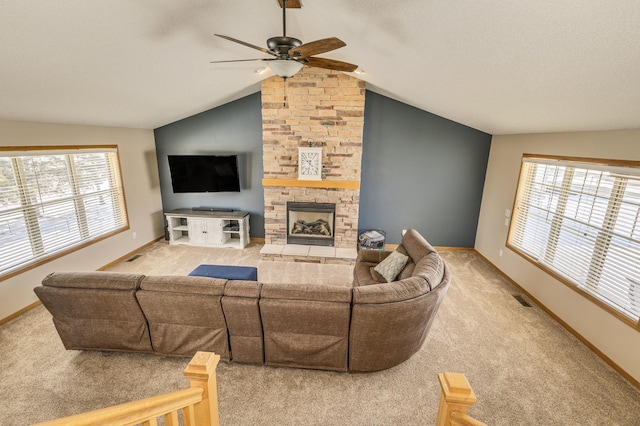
[499,66]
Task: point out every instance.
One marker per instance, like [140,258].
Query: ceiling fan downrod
[284,18]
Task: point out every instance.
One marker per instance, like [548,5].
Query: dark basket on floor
[372,239]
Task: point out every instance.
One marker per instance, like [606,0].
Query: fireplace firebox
[311,223]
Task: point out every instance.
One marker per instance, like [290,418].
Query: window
[54,200]
[580,220]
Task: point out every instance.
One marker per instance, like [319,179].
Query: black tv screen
[204,173]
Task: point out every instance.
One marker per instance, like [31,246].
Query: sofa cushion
[306,325]
[185,314]
[363,274]
[431,268]
[407,271]
[376,278]
[305,333]
[391,266]
[96,310]
[242,313]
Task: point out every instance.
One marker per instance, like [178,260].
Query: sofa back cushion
[431,268]
[96,310]
[407,271]
[242,313]
[306,325]
[396,291]
[185,314]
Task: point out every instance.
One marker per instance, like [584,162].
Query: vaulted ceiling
[498,66]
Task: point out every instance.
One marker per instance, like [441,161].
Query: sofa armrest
[415,245]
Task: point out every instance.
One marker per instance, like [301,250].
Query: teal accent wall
[233,128]
[420,171]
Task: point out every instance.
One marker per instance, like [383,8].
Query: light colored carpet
[524,367]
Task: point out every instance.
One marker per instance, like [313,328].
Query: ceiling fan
[289,54]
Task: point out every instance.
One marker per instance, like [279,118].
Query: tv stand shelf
[208,228]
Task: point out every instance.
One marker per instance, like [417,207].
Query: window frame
[66,150]
[580,161]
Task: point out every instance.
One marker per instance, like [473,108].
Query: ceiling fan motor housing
[282,44]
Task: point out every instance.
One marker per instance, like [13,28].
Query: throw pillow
[391,266]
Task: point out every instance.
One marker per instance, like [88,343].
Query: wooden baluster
[455,399]
[171,419]
[201,373]
[189,416]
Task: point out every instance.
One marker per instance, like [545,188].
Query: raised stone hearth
[314,108]
[310,254]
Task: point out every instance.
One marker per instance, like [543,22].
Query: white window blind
[581,220]
[52,201]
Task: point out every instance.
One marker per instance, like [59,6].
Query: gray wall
[420,171]
[233,128]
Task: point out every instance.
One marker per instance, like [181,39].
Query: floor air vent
[522,300]
[132,258]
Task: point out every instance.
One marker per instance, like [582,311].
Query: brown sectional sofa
[371,326]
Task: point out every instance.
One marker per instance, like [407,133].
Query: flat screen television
[204,173]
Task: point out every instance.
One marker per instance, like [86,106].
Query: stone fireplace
[321,109]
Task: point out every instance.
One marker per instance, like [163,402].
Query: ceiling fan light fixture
[285,67]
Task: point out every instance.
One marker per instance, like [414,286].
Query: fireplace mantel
[340,184]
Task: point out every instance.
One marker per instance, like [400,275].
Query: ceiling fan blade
[238,60]
[316,47]
[292,4]
[244,43]
[330,64]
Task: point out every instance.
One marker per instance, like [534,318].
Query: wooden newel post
[201,373]
[455,399]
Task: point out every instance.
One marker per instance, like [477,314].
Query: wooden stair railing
[455,399]
[199,403]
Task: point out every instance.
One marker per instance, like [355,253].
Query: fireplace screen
[311,223]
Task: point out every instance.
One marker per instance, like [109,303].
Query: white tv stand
[208,228]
